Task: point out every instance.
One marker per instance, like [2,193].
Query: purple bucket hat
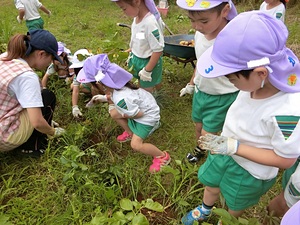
[292,216]
[61,48]
[250,40]
[199,5]
[99,68]
[150,4]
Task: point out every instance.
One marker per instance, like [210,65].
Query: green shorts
[35,24]
[211,110]
[139,63]
[288,173]
[141,130]
[240,189]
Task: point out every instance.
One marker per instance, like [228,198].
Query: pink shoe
[159,162]
[124,137]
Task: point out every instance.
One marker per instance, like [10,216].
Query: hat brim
[58,58]
[77,65]
[208,68]
[197,6]
[82,78]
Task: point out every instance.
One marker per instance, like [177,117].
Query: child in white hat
[134,109]
[261,131]
[211,97]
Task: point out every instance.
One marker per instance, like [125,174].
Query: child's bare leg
[277,206]
[122,122]
[211,195]
[236,213]
[137,144]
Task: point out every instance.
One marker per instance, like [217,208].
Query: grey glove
[76,111]
[188,89]
[218,144]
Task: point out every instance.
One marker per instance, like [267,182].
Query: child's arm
[229,146]
[153,61]
[45,10]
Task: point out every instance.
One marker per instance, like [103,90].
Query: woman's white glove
[218,144]
[59,131]
[96,99]
[188,89]
[145,76]
[76,111]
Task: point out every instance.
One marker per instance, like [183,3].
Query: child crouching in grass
[133,108]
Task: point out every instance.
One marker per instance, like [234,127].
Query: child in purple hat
[261,130]
[147,42]
[134,109]
[62,70]
[211,97]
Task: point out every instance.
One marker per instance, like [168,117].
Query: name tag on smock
[140,35]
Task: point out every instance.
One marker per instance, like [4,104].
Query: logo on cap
[190,3]
[205,4]
[292,79]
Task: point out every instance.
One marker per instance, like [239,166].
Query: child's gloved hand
[218,144]
[96,99]
[76,111]
[145,76]
[18,19]
[49,13]
[188,89]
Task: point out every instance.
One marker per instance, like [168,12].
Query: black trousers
[38,140]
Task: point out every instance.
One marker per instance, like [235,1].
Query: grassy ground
[84,175]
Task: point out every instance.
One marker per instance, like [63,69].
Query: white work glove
[54,124]
[59,131]
[145,76]
[96,99]
[218,144]
[50,13]
[76,111]
[18,19]
[188,89]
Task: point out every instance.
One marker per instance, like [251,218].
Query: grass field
[87,177]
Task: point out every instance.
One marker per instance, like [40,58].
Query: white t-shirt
[31,8]
[277,12]
[212,86]
[130,102]
[255,122]
[27,89]
[146,37]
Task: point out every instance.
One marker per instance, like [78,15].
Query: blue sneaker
[196,214]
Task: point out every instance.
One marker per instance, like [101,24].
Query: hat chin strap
[99,76]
